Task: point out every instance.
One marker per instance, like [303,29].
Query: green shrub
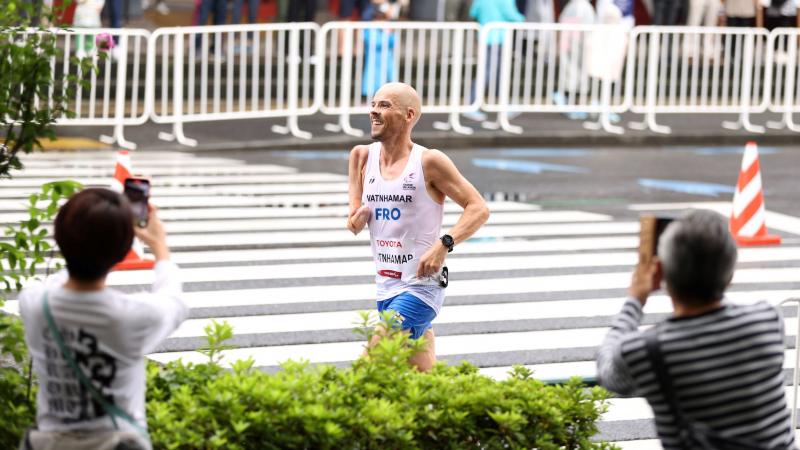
[380,402]
[21,259]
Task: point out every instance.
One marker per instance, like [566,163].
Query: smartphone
[651,229]
[137,189]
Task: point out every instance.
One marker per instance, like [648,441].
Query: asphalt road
[598,179]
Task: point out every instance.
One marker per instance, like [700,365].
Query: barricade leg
[787,122]
[344,126]
[292,128]
[743,123]
[505,88]
[177,135]
[177,127]
[649,121]
[294,75]
[453,123]
[502,119]
[747,79]
[788,91]
[604,121]
[118,137]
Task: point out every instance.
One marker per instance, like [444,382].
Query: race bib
[395,258]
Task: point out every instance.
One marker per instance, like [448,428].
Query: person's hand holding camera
[153,235]
[645,280]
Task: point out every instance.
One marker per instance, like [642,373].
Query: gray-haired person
[713,372]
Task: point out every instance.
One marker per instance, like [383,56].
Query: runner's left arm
[444,178]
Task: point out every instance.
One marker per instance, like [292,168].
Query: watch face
[447,240]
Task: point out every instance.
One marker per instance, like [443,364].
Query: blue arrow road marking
[515,165]
[539,152]
[313,154]
[688,187]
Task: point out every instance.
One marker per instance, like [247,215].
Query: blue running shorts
[417,315]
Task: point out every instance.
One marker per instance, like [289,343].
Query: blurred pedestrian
[667,12]
[252,11]
[379,43]
[301,11]
[112,9]
[743,13]
[781,14]
[485,12]
[573,56]
[207,7]
[87,15]
[713,372]
[88,342]
[160,6]
[703,12]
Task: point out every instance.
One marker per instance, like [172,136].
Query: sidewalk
[539,130]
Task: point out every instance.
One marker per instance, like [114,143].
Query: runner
[399,188]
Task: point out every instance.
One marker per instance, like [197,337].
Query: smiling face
[394,111]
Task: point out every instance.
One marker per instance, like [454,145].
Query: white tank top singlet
[404,223]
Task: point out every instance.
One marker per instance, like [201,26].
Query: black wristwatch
[448,242]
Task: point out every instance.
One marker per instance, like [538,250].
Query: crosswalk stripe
[158,171]
[623,409]
[244,189]
[338,222]
[106,163]
[594,308]
[201,213]
[340,236]
[482,264]
[446,346]
[218,180]
[362,251]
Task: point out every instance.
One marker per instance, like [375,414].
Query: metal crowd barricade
[532,67]
[438,59]
[115,93]
[697,70]
[783,90]
[232,72]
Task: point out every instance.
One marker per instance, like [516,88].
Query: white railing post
[505,84]
[787,119]
[746,91]
[652,88]
[346,87]
[604,121]
[294,60]
[118,135]
[177,96]
[456,86]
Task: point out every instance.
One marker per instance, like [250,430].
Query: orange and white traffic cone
[748,218]
[122,170]
[134,260]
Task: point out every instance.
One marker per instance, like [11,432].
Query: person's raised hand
[645,280]
[154,235]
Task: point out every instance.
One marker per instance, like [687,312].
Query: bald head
[402,95]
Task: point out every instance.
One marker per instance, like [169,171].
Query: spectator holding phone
[88,342]
[713,372]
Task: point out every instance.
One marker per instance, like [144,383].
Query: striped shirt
[726,367]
